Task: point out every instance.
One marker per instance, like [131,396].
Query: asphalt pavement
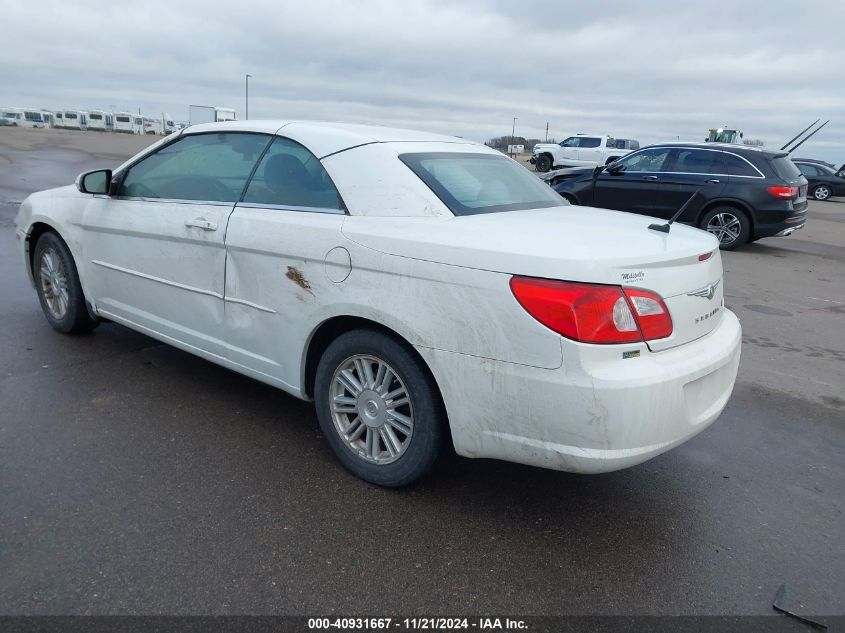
[138,479]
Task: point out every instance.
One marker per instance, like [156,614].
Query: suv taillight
[784,193]
[593,313]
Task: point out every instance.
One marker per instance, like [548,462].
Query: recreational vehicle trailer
[100,121]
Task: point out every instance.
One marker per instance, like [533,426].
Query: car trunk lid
[569,243]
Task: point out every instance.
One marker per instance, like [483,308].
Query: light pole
[247,95]
[513,130]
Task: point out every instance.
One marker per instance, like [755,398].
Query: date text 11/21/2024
[416,624]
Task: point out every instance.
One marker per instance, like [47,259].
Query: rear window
[471,183]
[785,168]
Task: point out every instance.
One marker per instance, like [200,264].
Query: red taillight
[592,313]
[786,193]
[705,256]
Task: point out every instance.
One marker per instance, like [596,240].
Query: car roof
[328,137]
[725,147]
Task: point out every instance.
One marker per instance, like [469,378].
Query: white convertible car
[419,288]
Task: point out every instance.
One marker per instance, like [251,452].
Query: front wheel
[543,164]
[730,226]
[58,287]
[378,408]
[822,192]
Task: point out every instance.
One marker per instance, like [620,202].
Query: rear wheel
[544,163]
[730,226]
[378,408]
[822,192]
[58,287]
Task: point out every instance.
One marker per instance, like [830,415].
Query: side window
[696,161]
[650,160]
[612,142]
[572,141]
[291,176]
[211,167]
[590,142]
[807,170]
[739,167]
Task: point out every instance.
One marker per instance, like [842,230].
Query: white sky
[654,70]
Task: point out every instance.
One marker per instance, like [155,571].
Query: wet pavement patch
[767,310]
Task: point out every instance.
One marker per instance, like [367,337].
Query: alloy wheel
[725,226]
[821,193]
[371,409]
[54,283]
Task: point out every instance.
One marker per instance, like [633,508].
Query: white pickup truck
[581,150]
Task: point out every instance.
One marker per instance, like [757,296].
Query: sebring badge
[707,292]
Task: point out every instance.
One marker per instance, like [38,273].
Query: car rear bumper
[782,227]
[599,412]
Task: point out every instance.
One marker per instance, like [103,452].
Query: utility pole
[513,130]
[247,96]
[547,131]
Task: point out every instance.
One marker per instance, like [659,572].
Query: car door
[154,251]
[590,151]
[284,257]
[688,171]
[633,185]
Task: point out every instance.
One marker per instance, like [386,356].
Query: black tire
[732,229]
[53,262]
[544,163]
[421,447]
[822,192]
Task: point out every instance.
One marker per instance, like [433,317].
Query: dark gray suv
[744,193]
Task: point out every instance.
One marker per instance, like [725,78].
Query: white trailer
[22,117]
[200,114]
[123,122]
[209,114]
[224,114]
[137,124]
[100,121]
[48,118]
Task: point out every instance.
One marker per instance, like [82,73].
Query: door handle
[202,223]
[649,177]
[712,181]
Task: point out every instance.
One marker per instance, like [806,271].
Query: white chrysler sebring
[418,288]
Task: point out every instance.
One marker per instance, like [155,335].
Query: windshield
[470,183]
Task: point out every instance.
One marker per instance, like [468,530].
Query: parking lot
[135,478]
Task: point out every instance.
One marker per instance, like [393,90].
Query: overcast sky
[647,70]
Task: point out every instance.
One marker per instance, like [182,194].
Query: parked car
[744,193]
[814,160]
[824,181]
[581,150]
[419,288]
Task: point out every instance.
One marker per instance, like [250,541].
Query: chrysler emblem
[707,292]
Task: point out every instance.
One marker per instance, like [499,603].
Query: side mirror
[615,168]
[97,181]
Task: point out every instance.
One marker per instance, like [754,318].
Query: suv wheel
[822,192]
[730,226]
[543,164]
